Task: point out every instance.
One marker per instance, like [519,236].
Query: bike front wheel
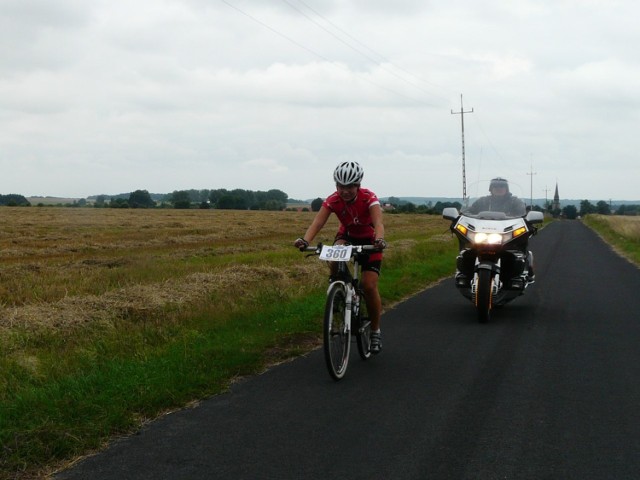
[337,337]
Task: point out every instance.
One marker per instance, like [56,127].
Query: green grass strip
[627,245]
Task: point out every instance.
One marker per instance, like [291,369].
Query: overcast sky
[112,96]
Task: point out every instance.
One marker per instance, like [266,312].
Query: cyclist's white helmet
[348,173]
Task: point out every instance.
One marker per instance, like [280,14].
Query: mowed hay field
[65,267]
[109,317]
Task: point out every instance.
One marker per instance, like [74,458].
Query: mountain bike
[345,312]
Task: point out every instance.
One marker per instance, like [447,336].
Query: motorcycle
[494,266]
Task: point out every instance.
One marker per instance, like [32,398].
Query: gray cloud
[260,95]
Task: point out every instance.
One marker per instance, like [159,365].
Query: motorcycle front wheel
[483,295]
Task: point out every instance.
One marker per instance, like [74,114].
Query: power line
[322,57]
[359,51]
[378,61]
[479,125]
[276,31]
[382,57]
[343,31]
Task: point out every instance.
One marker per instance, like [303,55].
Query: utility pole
[532,174]
[546,198]
[464,174]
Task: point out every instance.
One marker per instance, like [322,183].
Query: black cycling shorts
[373,262]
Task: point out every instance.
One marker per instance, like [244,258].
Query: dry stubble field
[66,267]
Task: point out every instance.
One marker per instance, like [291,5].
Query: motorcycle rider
[502,200]
[360,215]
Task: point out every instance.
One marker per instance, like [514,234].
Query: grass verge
[112,383]
[621,232]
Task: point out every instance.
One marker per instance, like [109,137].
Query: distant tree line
[601,207]
[396,205]
[570,211]
[14,200]
[223,199]
[239,199]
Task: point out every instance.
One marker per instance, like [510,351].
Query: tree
[394,201]
[14,200]
[407,207]
[231,202]
[628,210]
[278,195]
[603,208]
[118,203]
[440,206]
[215,195]
[141,199]
[586,207]
[181,199]
[570,212]
[100,201]
[275,200]
[273,205]
[316,204]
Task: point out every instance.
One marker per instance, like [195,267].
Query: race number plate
[336,253]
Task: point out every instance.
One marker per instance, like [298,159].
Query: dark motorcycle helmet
[499,182]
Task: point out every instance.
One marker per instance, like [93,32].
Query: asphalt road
[548,389]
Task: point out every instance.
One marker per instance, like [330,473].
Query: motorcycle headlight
[488,238]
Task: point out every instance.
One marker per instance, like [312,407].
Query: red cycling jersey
[355,218]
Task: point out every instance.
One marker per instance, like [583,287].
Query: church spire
[556,199]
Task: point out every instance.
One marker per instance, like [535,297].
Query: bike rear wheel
[337,338]
[362,329]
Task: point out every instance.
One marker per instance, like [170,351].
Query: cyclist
[360,214]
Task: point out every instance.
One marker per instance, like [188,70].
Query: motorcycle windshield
[501,201]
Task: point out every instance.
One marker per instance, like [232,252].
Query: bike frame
[352,281]
[348,283]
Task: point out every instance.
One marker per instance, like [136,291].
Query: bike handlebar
[356,248]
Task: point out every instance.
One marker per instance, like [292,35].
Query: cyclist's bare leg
[372,297]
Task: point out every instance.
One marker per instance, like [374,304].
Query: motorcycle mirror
[450,213]
[534,217]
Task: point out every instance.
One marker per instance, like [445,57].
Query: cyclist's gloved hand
[301,243]
[380,244]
